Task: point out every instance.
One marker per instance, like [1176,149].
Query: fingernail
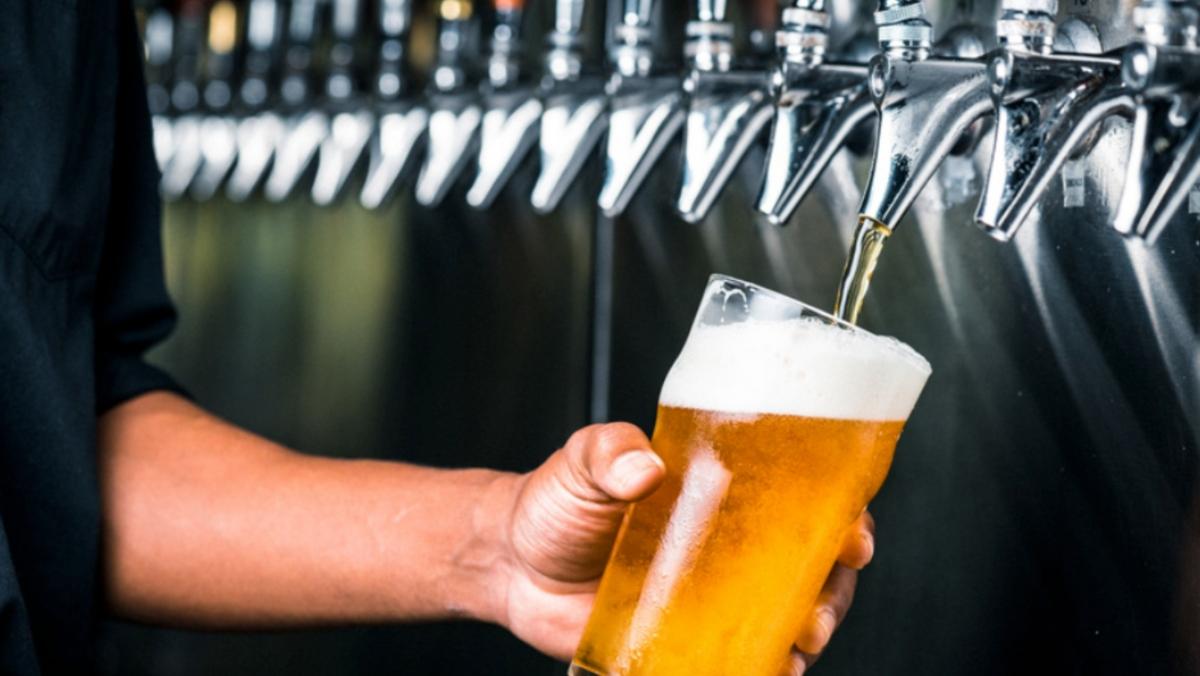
[632,468]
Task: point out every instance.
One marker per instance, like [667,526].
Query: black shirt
[81,298]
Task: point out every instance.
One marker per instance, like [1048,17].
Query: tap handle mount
[395,20]
[301,32]
[264,24]
[709,38]
[454,42]
[1027,25]
[504,61]
[339,84]
[903,30]
[632,52]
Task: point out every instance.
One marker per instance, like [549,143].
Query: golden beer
[775,435]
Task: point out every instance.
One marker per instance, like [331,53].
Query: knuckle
[583,436]
[618,433]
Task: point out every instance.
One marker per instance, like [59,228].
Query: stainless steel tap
[185,104]
[351,121]
[305,126]
[575,109]
[727,110]
[925,103]
[259,129]
[819,103]
[646,108]
[218,128]
[511,109]
[455,111]
[1047,106]
[1162,71]
[402,120]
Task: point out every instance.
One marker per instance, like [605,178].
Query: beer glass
[777,425]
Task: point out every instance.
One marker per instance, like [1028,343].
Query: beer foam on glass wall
[803,367]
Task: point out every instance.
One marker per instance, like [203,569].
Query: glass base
[578,669]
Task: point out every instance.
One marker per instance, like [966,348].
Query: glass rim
[758,288]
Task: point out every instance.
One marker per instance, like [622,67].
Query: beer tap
[1162,70]
[1047,105]
[160,39]
[185,153]
[575,114]
[304,126]
[259,129]
[402,121]
[512,111]
[350,120]
[455,113]
[819,103]
[727,111]
[925,103]
[218,129]
[646,108]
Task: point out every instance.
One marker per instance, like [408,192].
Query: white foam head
[801,367]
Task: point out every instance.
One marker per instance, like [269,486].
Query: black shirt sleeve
[132,309]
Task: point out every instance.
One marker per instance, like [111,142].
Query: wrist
[492,563]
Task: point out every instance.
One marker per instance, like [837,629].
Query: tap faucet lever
[455,113]
[512,110]
[646,110]
[925,103]
[303,127]
[575,109]
[1047,106]
[727,111]
[351,123]
[401,124]
[1162,70]
[818,104]
[218,129]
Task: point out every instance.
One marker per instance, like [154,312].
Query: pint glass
[777,425]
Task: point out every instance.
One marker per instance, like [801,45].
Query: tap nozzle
[818,105]
[727,111]
[455,113]
[1162,70]
[645,110]
[511,111]
[575,113]
[1047,106]
[924,103]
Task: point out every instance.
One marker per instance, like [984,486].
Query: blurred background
[1040,516]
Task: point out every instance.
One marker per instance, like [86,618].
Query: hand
[563,523]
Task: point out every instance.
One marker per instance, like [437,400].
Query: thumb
[569,511]
[612,462]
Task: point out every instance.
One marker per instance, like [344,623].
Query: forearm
[208,525]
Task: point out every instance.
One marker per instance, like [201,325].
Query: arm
[207,525]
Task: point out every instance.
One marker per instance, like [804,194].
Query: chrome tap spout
[646,109]
[394,147]
[727,111]
[1162,70]
[455,111]
[574,109]
[1047,106]
[511,111]
[819,103]
[924,105]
